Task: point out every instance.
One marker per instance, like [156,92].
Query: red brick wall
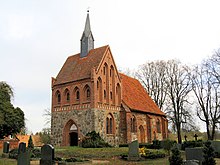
[13,143]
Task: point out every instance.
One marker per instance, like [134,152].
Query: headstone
[23,155]
[185,138]
[6,147]
[47,155]
[194,154]
[195,136]
[133,152]
[190,162]
[216,146]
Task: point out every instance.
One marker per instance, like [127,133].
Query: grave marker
[194,154]
[47,155]
[133,152]
[23,155]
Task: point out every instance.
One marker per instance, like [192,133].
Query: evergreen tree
[175,158]
[209,154]
[30,143]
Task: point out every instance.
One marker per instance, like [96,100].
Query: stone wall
[83,119]
[100,125]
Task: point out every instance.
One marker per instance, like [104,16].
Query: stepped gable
[76,68]
[135,96]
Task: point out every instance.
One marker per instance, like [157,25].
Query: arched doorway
[142,134]
[73,135]
[70,134]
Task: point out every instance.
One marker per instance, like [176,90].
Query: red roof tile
[76,68]
[135,96]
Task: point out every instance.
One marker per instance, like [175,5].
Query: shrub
[168,144]
[192,144]
[35,153]
[175,158]
[123,145]
[13,154]
[156,144]
[30,143]
[151,154]
[94,140]
[208,154]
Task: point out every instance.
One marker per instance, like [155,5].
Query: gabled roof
[76,68]
[135,96]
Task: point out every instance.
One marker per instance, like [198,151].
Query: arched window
[99,89]
[58,97]
[87,92]
[104,94]
[109,124]
[158,126]
[67,95]
[111,95]
[76,94]
[133,124]
[118,94]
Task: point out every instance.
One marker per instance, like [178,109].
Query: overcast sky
[36,37]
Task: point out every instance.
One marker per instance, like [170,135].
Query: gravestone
[47,155]
[23,155]
[6,147]
[195,136]
[5,153]
[216,146]
[190,162]
[185,137]
[133,152]
[194,154]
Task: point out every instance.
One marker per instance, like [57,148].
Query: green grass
[112,155]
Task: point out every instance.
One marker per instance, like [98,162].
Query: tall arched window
[99,89]
[87,92]
[76,94]
[133,124]
[158,126]
[58,97]
[118,94]
[67,95]
[109,124]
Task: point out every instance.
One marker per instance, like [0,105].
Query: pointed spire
[87,40]
[87,29]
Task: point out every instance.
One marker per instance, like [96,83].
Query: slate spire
[87,40]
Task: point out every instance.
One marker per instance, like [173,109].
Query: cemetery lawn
[112,155]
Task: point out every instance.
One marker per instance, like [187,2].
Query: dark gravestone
[6,147]
[216,146]
[194,154]
[133,152]
[185,137]
[22,147]
[47,155]
[5,153]
[23,155]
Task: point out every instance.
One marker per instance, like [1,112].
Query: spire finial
[88,10]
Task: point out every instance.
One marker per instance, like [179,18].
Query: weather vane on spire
[88,9]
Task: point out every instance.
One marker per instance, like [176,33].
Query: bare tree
[47,115]
[153,75]
[178,89]
[207,92]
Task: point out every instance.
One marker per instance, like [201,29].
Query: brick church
[90,94]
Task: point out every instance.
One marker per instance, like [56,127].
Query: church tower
[87,40]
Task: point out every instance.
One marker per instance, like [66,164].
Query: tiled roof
[36,139]
[76,68]
[135,96]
